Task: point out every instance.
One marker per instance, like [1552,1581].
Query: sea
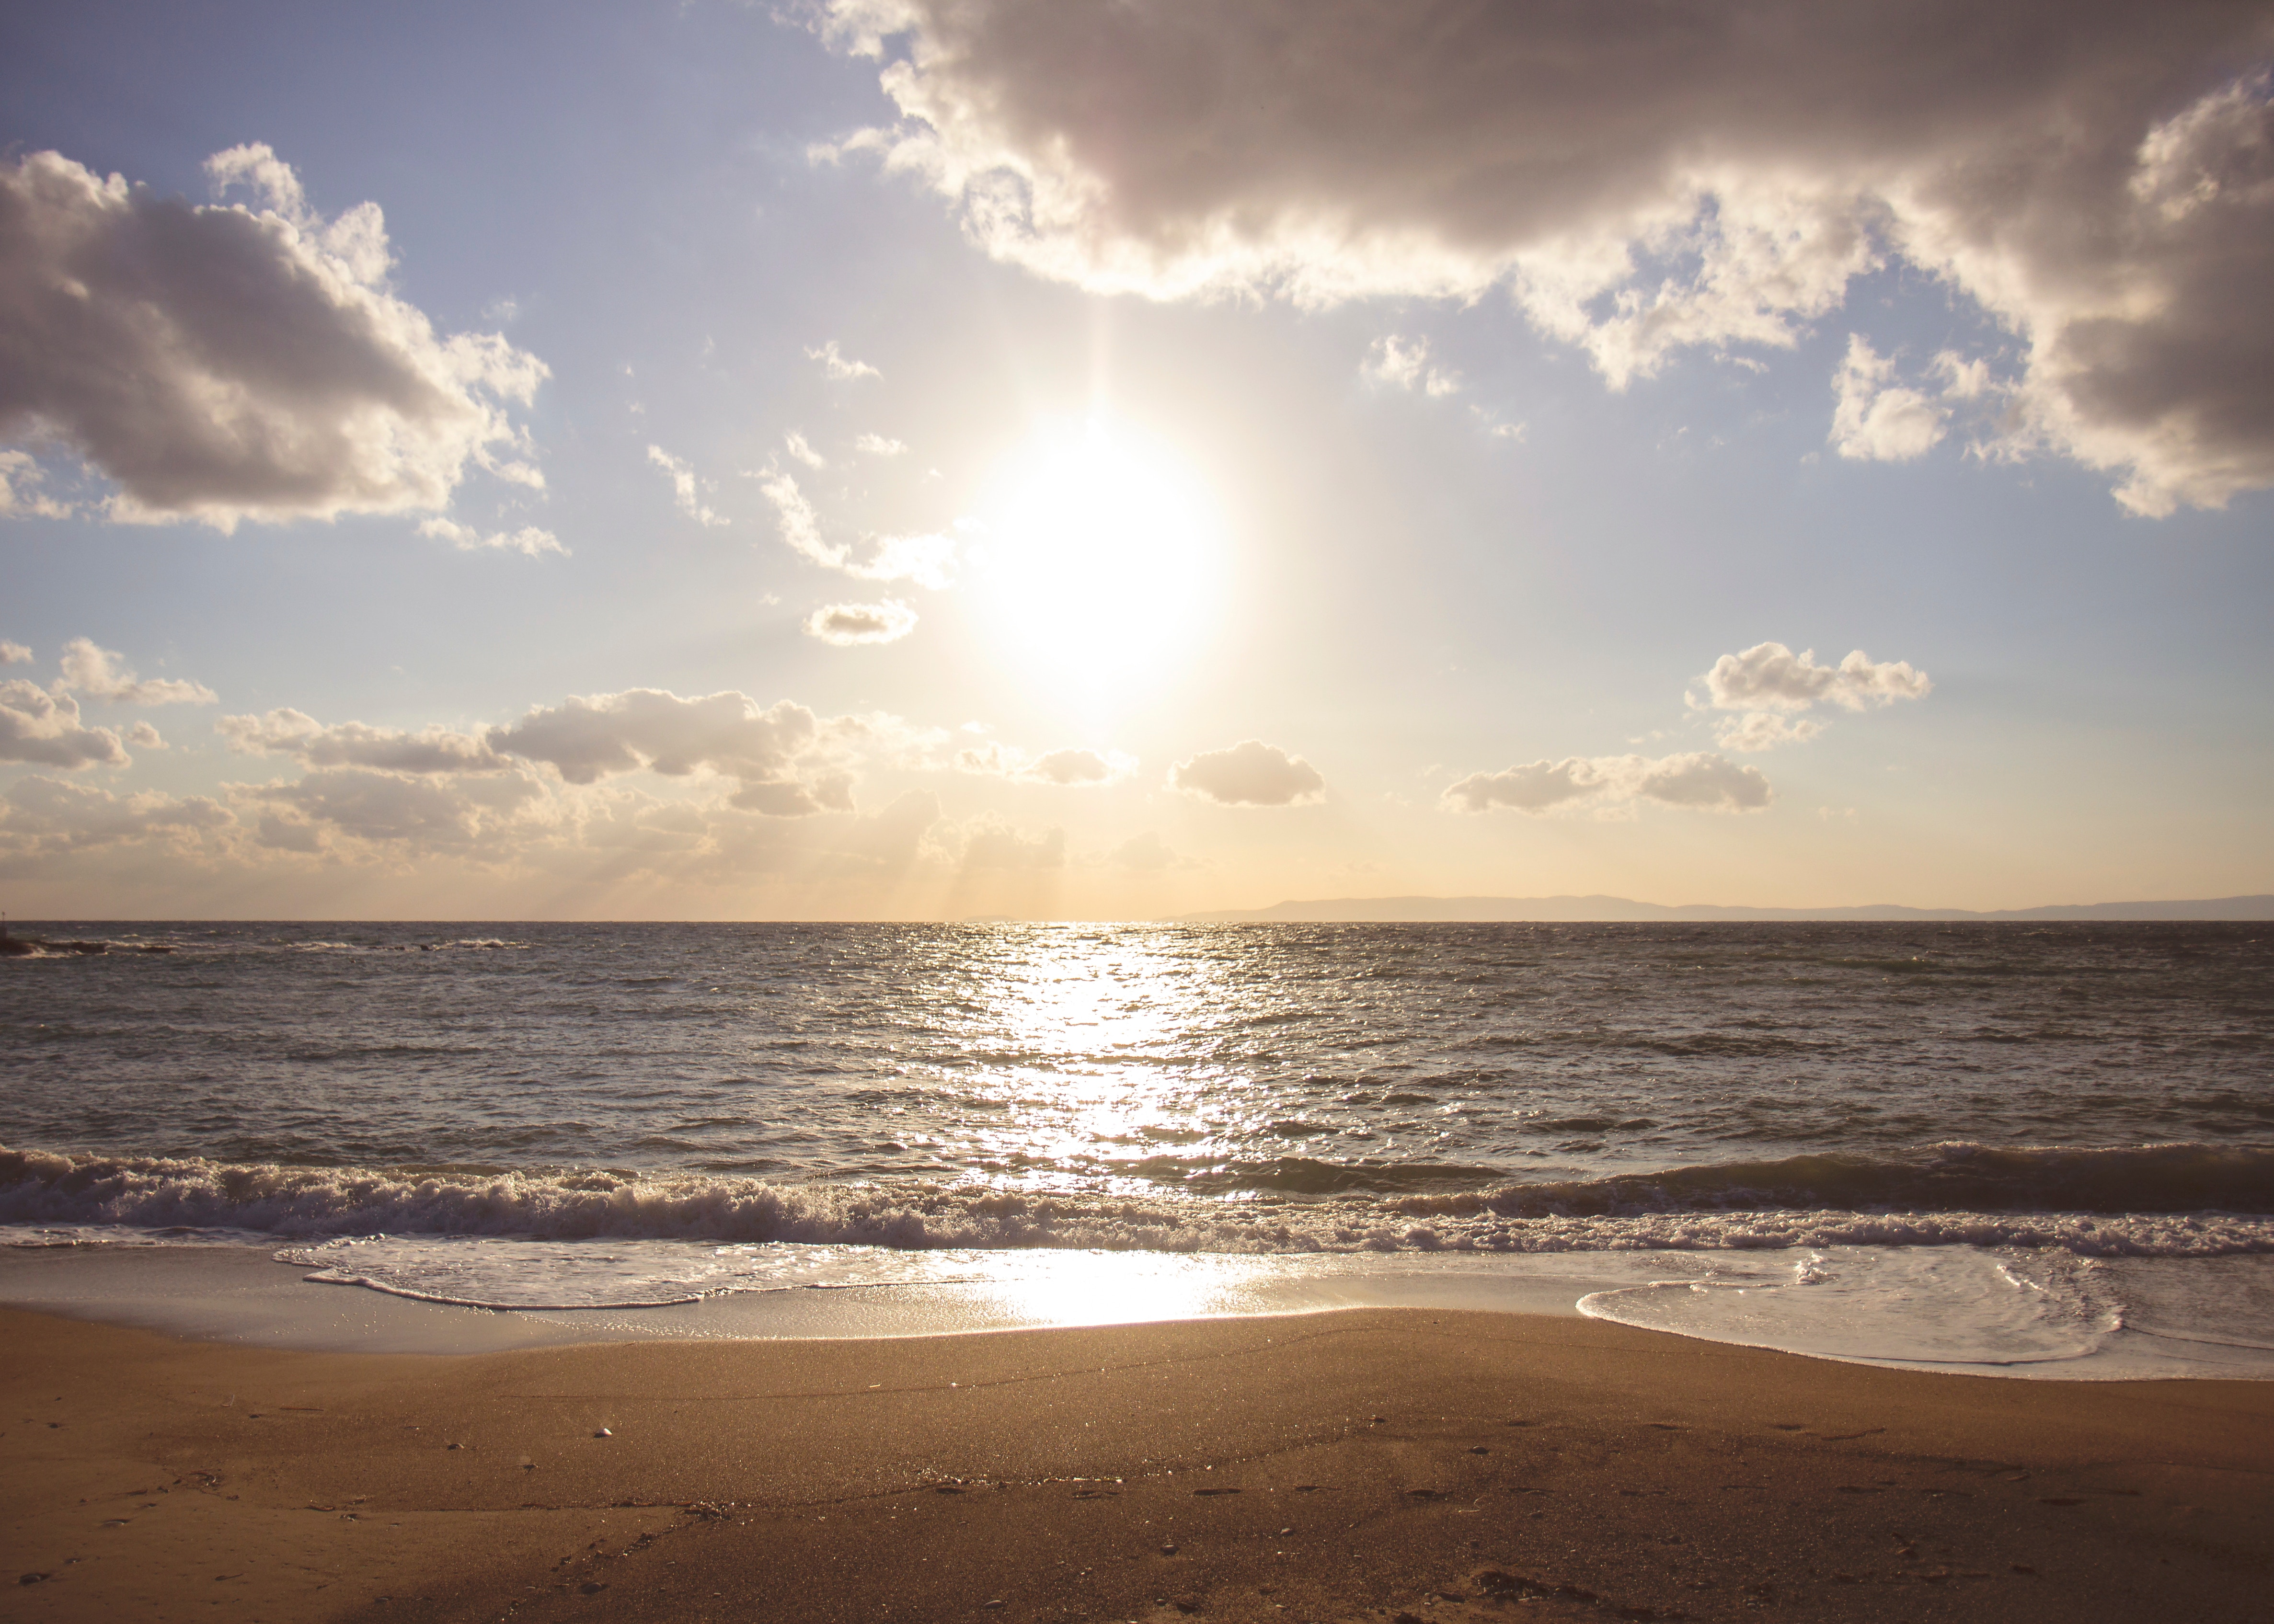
[2039,1149]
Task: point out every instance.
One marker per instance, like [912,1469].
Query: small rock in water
[1168,1550]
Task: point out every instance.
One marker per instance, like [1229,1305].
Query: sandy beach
[1366,1465]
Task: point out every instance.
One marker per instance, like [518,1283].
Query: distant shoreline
[1622,910]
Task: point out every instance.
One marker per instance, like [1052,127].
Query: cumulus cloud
[839,368]
[1250,773]
[528,540]
[1643,178]
[1698,781]
[247,361]
[20,496]
[14,654]
[877,445]
[804,453]
[98,674]
[1764,729]
[287,732]
[36,726]
[928,561]
[847,624]
[686,493]
[1069,767]
[773,751]
[46,817]
[1404,363]
[365,804]
[1876,419]
[1770,676]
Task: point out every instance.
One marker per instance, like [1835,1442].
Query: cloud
[142,736]
[1770,676]
[988,842]
[772,750]
[44,817]
[684,493]
[846,624]
[1251,773]
[877,445]
[20,496]
[36,726]
[1146,853]
[239,361]
[97,673]
[366,804]
[837,366]
[804,453]
[1764,729]
[1404,363]
[14,653]
[1067,768]
[1698,781]
[295,733]
[1643,179]
[1877,420]
[529,540]
[928,561]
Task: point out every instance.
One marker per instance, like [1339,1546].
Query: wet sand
[1351,1466]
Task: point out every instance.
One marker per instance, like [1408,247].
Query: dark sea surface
[2094,1090]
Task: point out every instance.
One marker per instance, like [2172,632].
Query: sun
[1103,553]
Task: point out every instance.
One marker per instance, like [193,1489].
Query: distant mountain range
[1362,910]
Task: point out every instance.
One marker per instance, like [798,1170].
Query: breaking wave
[2170,1200]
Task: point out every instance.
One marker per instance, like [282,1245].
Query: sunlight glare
[1104,551]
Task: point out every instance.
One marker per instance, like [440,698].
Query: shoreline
[1339,1466]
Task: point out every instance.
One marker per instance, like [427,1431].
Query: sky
[1104,459]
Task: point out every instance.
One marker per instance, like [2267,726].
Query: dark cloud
[240,362]
[1643,177]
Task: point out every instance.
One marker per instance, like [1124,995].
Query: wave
[2180,1200]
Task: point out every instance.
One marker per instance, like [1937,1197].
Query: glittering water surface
[542,1114]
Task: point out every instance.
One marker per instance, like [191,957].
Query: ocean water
[1963,1145]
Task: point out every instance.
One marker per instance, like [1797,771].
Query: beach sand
[1351,1466]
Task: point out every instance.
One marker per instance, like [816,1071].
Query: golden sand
[1351,1466]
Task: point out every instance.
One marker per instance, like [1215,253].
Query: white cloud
[20,496]
[528,540]
[1876,419]
[45,817]
[1764,729]
[928,561]
[14,653]
[435,814]
[98,674]
[685,493]
[837,366]
[1404,363]
[1250,773]
[846,624]
[877,445]
[36,726]
[1770,676]
[804,453]
[287,732]
[1644,180]
[1698,781]
[1071,768]
[241,362]
[779,753]
[142,736]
